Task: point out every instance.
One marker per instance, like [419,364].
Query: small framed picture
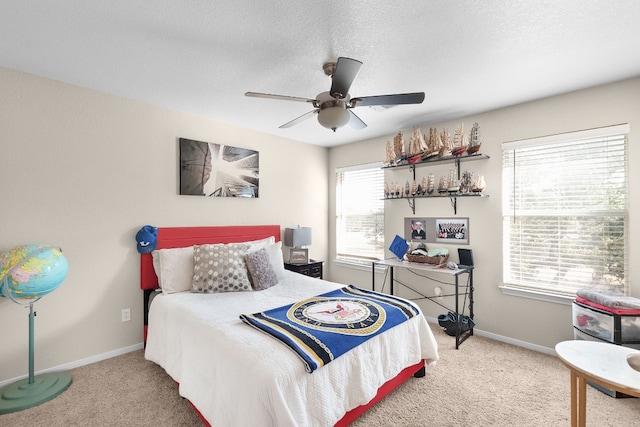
[298,256]
[452,230]
[415,229]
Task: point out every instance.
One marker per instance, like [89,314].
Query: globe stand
[35,390]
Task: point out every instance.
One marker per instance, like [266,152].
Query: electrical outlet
[126,314]
[438,292]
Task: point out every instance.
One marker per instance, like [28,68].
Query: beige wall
[515,318]
[84,170]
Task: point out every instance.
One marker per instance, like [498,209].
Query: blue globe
[31,271]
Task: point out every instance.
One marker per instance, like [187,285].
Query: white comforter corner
[236,375]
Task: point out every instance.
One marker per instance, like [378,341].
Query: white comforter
[238,376]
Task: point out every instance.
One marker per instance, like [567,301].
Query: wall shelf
[450,159]
[453,197]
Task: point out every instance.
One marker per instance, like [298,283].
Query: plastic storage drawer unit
[599,324]
[608,326]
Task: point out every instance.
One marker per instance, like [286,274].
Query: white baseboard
[507,340]
[78,363]
[114,353]
[519,343]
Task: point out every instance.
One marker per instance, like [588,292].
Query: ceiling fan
[334,108]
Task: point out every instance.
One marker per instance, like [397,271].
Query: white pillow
[174,268]
[275,259]
[256,245]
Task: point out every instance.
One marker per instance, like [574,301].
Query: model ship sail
[431,183]
[434,144]
[391,155]
[417,144]
[475,140]
[398,146]
[459,145]
[479,184]
[445,150]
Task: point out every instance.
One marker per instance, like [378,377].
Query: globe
[31,271]
[27,273]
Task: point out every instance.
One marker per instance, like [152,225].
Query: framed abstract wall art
[217,170]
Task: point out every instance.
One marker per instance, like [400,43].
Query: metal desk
[430,268]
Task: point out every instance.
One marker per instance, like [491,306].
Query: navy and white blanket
[322,328]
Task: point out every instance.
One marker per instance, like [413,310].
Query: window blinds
[565,211]
[360,213]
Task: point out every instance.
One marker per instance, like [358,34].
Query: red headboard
[178,237]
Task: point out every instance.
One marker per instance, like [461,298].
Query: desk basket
[437,260]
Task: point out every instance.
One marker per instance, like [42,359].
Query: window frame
[348,259]
[529,289]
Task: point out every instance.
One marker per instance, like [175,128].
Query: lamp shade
[296,237]
[334,117]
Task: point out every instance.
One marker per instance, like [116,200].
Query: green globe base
[22,395]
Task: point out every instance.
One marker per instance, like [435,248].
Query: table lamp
[296,238]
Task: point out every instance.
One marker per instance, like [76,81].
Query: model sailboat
[475,140]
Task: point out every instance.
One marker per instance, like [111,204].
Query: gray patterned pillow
[261,273]
[220,268]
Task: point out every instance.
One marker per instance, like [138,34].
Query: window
[360,213]
[565,212]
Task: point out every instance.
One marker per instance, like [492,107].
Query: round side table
[601,363]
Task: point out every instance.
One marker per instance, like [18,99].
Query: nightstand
[312,269]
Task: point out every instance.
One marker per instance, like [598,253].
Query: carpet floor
[484,383]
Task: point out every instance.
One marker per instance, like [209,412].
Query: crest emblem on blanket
[343,315]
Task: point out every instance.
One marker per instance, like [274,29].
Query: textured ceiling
[201,56]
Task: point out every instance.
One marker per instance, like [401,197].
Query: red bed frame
[179,237]
[176,237]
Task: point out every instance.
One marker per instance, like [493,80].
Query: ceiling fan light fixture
[334,117]
[334,106]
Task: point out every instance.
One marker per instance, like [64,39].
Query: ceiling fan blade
[356,122]
[397,99]
[297,120]
[346,71]
[279,97]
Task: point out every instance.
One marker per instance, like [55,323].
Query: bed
[235,375]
